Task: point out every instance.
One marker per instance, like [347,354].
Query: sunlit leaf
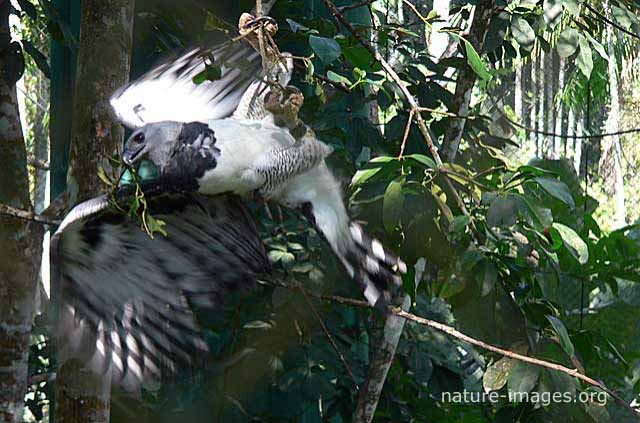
[572,240]
[557,189]
[585,59]
[523,33]
[392,204]
[568,42]
[475,62]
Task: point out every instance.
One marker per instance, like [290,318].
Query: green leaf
[210,73]
[327,49]
[475,62]
[296,27]
[585,59]
[568,42]
[358,56]
[563,335]
[41,60]
[573,241]
[497,374]
[557,189]
[392,204]
[598,47]
[552,11]
[523,377]
[364,175]
[572,6]
[424,160]
[523,33]
[334,77]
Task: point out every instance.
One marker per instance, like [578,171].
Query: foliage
[528,268]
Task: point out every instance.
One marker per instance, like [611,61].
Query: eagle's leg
[285,111]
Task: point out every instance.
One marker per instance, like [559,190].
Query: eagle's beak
[131,155]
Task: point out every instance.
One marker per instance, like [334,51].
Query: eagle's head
[182,152]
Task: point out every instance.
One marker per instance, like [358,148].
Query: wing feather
[130,298]
[169,93]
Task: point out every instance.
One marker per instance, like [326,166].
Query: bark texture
[19,241]
[466,80]
[103,66]
[379,366]
[385,350]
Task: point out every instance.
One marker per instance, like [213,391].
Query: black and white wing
[169,92]
[127,299]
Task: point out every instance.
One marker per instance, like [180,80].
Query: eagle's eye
[139,137]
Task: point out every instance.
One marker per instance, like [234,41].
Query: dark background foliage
[519,270]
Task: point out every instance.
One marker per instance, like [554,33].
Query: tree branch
[37,163]
[379,367]
[6,210]
[451,331]
[331,340]
[410,98]
[609,21]
[467,79]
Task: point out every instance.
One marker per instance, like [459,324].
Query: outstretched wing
[169,92]
[127,299]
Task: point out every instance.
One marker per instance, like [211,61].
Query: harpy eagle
[127,298]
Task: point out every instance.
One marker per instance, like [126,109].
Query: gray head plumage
[182,152]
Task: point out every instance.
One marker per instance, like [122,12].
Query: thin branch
[331,340]
[38,163]
[610,22]
[355,6]
[470,340]
[553,134]
[410,98]
[30,216]
[324,79]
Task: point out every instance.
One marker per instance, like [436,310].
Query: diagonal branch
[331,340]
[410,98]
[451,331]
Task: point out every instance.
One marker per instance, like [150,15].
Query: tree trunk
[547,115]
[611,161]
[518,95]
[466,80]
[103,66]
[20,242]
[438,41]
[535,110]
[555,117]
[527,94]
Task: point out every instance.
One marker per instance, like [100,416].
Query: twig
[407,130]
[38,163]
[468,339]
[331,340]
[553,134]
[410,98]
[6,210]
[355,5]
[610,22]
[324,79]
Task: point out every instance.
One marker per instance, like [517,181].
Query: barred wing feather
[127,298]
